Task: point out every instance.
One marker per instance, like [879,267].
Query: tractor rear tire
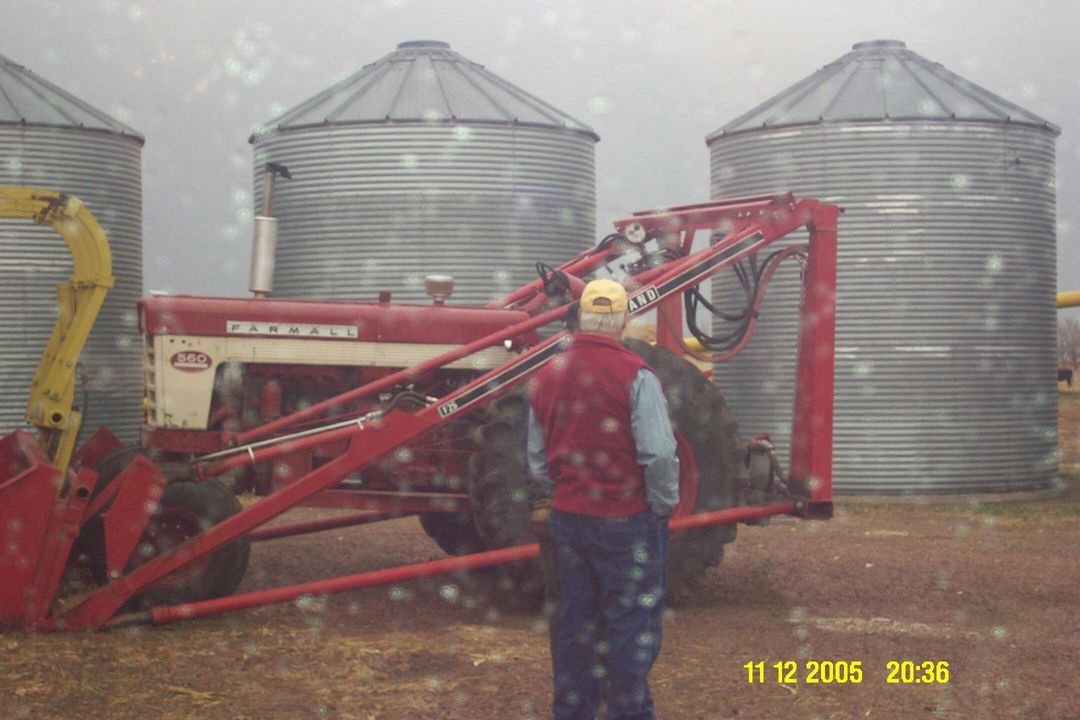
[699,413]
[497,490]
[498,497]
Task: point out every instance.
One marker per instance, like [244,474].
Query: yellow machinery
[52,392]
[1068,299]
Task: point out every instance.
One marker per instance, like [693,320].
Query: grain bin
[946,273]
[421,162]
[50,139]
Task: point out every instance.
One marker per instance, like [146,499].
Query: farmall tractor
[388,410]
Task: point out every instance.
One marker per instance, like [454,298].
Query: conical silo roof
[424,81]
[882,80]
[28,99]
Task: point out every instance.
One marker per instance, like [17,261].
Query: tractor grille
[149,377]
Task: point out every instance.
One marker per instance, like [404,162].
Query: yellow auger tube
[1068,299]
[52,392]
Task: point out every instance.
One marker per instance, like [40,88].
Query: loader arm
[758,221]
[49,407]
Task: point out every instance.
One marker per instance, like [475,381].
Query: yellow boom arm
[1068,299]
[52,392]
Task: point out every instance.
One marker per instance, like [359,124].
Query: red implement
[336,446]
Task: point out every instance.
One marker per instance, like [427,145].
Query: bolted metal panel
[104,169]
[945,364]
[378,206]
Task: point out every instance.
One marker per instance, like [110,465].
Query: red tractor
[393,409]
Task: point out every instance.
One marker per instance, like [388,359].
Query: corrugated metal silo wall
[378,207]
[106,172]
[945,359]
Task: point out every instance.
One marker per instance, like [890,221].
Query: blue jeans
[610,575]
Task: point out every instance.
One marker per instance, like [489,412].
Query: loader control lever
[560,287]
[555,282]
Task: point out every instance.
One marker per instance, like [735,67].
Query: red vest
[582,401]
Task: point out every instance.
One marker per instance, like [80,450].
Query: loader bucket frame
[750,224]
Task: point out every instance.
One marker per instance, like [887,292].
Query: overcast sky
[652,78]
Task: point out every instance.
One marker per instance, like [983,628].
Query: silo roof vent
[423,44]
[882,80]
[871,44]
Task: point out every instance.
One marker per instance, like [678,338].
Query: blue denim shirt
[653,437]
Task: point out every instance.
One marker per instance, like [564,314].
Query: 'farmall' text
[296,330]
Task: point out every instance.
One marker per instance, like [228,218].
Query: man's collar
[591,338]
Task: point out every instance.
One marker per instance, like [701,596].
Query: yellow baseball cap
[604,297]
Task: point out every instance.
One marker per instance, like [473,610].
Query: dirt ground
[990,588]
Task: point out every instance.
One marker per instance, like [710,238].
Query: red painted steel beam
[325,523]
[746,201]
[390,503]
[706,216]
[389,576]
[812,423]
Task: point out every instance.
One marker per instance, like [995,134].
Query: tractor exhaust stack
[264,241]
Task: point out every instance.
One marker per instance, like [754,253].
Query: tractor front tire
[91,540]
[185,509]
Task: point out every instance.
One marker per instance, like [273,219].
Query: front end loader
[394,410]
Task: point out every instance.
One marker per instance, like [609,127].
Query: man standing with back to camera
[604,478]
